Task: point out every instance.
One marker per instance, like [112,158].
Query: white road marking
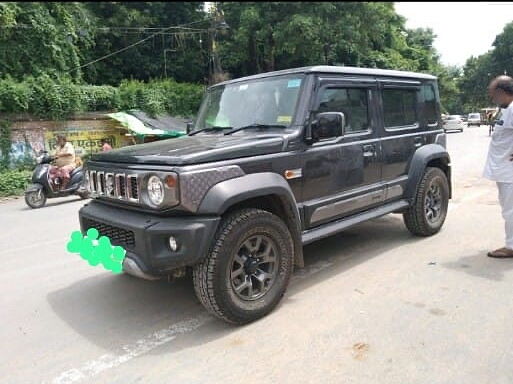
[93,367]
[104,362]
[108,361]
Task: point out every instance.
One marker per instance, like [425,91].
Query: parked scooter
[43,188]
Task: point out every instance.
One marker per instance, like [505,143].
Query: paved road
[373,305]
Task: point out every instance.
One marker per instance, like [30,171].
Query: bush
[58,97]
[54,98]
[160,96]
[14,182]
[14,97]
[99,97]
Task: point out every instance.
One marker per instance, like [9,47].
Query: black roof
[337,70]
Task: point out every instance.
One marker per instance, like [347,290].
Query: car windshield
[453,117]
[473,116]
[263,102]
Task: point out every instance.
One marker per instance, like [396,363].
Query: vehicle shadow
[106,308]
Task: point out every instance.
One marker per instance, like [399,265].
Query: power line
[136,43]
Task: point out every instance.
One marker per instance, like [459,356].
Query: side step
[329,229]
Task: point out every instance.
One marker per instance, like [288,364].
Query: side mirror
[328,125]
[188,128]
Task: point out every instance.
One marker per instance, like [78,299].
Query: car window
[430,114]
[399,107]
[353,102]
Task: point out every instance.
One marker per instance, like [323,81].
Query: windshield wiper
[255,125]
[208,129]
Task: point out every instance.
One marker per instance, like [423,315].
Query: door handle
[419,141]
[369,151]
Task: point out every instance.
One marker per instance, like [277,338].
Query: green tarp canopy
[138,128]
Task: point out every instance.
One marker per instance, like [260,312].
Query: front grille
[102,183]
[134,193]
[121,186]
[117,236]
[114,185]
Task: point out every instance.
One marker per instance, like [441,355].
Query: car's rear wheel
[429,209]
[248,267]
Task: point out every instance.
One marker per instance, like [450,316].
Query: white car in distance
[474,119]
[453,123]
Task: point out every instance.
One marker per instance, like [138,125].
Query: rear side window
[353,102]
[428,93]
[400,107]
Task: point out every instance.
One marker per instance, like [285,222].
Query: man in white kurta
[499,164]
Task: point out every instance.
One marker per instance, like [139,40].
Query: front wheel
[35,199]
[429,209]
[248,267]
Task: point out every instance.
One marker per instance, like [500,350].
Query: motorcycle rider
[64,161]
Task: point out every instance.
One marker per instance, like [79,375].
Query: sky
[463,29]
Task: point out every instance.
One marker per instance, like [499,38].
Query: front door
[341,176]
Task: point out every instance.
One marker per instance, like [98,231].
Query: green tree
[117,26]
[41,37]
[479,71]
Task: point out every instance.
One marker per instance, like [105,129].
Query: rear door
[403,132]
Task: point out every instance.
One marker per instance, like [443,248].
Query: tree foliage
[43,37]
[50,47]
[479,71]
[117,26]
[59,98]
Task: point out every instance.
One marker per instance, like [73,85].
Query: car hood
[194,149]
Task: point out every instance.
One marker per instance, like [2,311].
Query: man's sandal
[501,253]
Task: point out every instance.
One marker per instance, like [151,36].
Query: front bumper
[145,236]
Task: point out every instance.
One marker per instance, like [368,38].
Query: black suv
[272,162]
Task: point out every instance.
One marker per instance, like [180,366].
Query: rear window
[474,116]
[428,92]
[400,107]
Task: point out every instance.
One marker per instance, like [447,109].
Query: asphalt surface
[373,305]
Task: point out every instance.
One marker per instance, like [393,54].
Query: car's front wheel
[429,209]
[248,267]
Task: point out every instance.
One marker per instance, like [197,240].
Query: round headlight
[155,190]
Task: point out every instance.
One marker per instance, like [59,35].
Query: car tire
[32,202]
[427,214]
[226,281]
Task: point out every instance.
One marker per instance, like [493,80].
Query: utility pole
[217,23]
[166,50]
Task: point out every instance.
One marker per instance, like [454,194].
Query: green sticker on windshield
[294,83]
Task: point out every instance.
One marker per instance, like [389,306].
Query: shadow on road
[482,266]
[55,203]
[106,308]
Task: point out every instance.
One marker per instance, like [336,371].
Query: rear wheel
[35,199]
[248,268]
[429,210]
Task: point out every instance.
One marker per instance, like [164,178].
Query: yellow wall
[88,141]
